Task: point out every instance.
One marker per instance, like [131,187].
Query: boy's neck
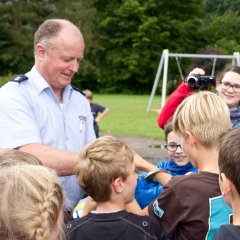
[108,207]
[236,211]
[207,159]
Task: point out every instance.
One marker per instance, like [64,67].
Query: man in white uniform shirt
[41,113]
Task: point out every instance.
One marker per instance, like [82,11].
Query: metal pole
[158,75]
[186,55]
[214,66]
[236,58]
[165,71]
[179,68]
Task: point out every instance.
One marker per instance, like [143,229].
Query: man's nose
[74,66]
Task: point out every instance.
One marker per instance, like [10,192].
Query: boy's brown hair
[88,94]
[229,157]
[168,128]
[100,163]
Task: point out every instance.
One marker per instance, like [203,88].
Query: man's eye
[67,60]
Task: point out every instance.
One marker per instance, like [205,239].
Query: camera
[200,81]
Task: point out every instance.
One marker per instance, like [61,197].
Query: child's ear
[118,185]
[226,185]
[191,139]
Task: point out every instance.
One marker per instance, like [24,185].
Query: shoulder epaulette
[19,78]
[77,89]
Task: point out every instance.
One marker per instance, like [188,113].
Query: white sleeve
[17,123]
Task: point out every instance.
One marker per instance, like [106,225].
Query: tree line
[124,38]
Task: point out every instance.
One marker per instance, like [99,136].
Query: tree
[19,21]
[134,34]
[222,31]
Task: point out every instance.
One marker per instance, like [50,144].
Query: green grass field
[127,115]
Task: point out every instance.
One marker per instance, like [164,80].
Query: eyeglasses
[172,147]
[227,85]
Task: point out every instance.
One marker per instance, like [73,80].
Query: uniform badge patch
[19,78]
[157,210]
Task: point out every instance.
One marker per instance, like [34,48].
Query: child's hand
[88,207]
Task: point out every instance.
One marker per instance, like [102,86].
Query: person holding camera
[227,86]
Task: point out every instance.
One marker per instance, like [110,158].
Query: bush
[5,79]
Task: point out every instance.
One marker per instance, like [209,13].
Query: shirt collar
[41,84]
[38,81]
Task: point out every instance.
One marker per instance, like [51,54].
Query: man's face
[59,63]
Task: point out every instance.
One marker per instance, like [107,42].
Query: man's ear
[226,185]
[118,185]
[40,51]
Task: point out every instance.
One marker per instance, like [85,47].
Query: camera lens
[192,81]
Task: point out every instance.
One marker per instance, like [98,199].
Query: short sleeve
[168,210]
[17,125]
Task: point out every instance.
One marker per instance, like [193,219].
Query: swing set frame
[163,65]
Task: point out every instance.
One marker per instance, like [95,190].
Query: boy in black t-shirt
[105,170]
[229,180]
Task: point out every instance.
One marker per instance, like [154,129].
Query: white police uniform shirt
[30,113]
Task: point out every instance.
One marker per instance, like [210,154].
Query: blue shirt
[145,192]
[30,113]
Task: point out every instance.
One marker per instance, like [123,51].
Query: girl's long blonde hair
[30,203]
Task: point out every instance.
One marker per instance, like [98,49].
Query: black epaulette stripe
[19,78]
[77,89]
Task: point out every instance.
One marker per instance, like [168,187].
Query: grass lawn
[127,115]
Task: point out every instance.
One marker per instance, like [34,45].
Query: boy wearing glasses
[191,206]
[178,164]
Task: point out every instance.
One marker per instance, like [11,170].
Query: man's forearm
[61,161]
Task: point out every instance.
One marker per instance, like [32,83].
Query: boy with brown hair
[191,206]
[229,180]
[105,170]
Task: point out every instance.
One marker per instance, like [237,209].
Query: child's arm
[133,207]
[161,176]
[175,99]
[173,102]
[88,207]
[101,115]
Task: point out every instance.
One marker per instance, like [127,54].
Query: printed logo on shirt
[82,124]
[157,210]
